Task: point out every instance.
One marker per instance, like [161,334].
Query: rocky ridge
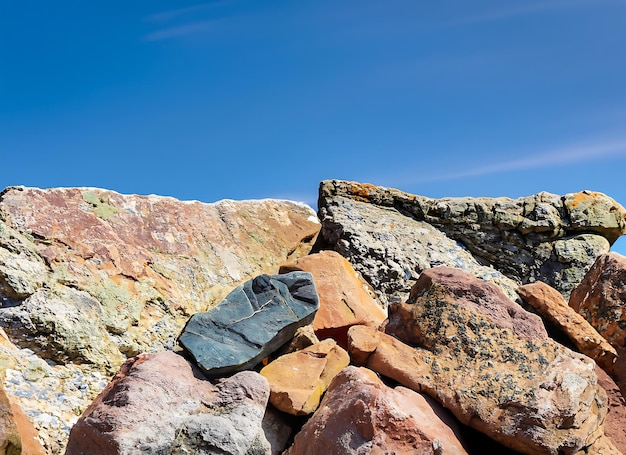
[443,323]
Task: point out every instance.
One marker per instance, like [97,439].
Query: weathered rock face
[89,277]
[614,427]
[159,403]
[549,302]
[345,298]
[360,414]
[150,262]
[252,322]
[601,299]
[17,434]
[298,380]
[390,249]
[545,237]
[497,374]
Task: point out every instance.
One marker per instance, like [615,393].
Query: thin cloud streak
[174,13]
[553,158]
[179,31]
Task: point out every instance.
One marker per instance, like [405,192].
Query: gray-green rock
[544,237]
[253,321]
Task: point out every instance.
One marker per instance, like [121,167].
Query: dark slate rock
[253,321]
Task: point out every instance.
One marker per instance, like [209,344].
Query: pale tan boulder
[298,380]
[345,298]
[550,303]
[361,415]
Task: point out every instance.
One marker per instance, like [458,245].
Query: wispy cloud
[165,16]
[550,158]
[179,31]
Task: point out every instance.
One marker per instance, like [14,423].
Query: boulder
[253,321]
[496,371]
[298,380]
[544,237]
[345,298]
[550,303]
[360,414]
[601,299]
[149,261]
[390,249]
[160,403]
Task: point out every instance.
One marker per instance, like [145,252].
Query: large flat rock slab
[252,322]
[543,237]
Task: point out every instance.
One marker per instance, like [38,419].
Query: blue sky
[247,99]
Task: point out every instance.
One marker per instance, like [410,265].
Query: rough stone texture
[614,427]
[544,237]
[298,380]
[159,403]
[390,249]
[17,434]
[496,374]
[345,298]
[361,415]
[149,261]
[277,430]
[253,321]
[89,277]
[601,299]
[550,303]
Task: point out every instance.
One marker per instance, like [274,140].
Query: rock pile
[387,323]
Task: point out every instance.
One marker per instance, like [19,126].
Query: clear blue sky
[253,99]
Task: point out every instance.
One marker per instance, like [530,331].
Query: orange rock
[550,304]
[345,298]
[614,427]
[298,380]
[17,434]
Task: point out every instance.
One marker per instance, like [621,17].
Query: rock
[550,303]
[360,414]
[499,375]
[277,430]
[345,298]
[298,380]
[390,249]
[159,403]
[303,338]
[544,237]
[149,261]
[601,299]
[254,320]
[17,434]
[614,427]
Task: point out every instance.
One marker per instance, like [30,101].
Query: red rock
[345,298]
[614,427]
[601,299]
[360,414]
[160,403]
[298,380]
[550,303]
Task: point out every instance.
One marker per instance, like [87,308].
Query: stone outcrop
[601,299]
[550,303]
[17,434]
[544,237]
[496,371]
[345,298]
[298,380]
[614,427]
[252,322]
[149,261]
[160,403]
[360,414]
